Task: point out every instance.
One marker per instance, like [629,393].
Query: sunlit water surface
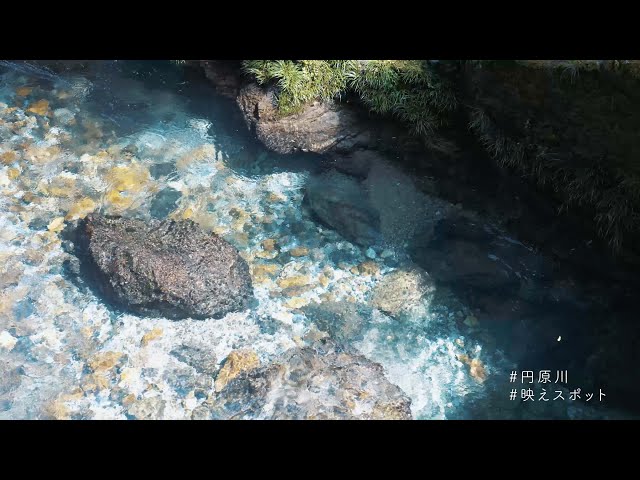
[147,140]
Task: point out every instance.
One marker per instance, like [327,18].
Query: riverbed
[147,140]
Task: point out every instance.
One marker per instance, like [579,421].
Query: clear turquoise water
[147,139]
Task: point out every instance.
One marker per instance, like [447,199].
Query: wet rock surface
[342,203]
[402,290]
[165,268]
[323,381]
[469,254]
[342,320]
[198,357]
[318,128]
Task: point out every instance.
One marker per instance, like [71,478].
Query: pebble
[7,341]
[150,336]
[294,281]
[299,252]
[370,253]
[105,361]
[269,244]
[297,302]
[56,224]
[237,362]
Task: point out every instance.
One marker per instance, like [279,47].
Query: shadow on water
[81,271]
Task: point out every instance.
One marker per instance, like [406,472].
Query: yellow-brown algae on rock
[296,302]
[150,336]
[240,239]
[7,158]
[128,400]
[388,411]
[56,225]
[80,209]
[267,255]
[132,178]
[401,290]
[104,361]
[476,368]
[187,213]
[100,380]
[368,267]
[324,281]
[118,199]
[299,252]
[199,154]
[23,91]
[13,173]
[127,184]
[294,281]
[62,186]
[42,155]
[296,291]
[275,198]
[237,362]
[75,394]
[57,410]
[262,273]
[269,244]
[207,221]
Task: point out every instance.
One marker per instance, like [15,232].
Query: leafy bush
[569,124]
[410,90]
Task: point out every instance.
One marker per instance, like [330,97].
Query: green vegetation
[302,81]
[572,128]
[569,124]
[409,90]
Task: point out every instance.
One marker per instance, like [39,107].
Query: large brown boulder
[167,268]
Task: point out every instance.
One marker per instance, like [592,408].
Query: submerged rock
[200,358]
[237,362]
[343,203]
[470,255]
[401,290]
[164,202]
[322,381]
[342,320]
[167,268]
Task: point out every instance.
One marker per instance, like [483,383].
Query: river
[150,140]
